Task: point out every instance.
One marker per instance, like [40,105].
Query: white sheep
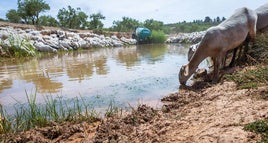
[262,22]
[220,39]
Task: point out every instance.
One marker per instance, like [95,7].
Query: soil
[199,113]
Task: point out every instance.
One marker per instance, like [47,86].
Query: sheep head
[184,74]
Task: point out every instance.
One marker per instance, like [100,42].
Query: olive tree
[30,10]
[127,24]
[96,23]
[154,24]
[13,16]
[72,18]
[48,21]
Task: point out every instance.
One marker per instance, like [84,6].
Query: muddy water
[125,75]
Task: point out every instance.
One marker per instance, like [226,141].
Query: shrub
[18,47]
[259,127]
[158,37]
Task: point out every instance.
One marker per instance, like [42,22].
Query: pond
[138,74]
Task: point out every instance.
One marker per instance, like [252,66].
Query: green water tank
[142,35]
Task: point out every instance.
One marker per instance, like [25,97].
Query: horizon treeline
[29,12]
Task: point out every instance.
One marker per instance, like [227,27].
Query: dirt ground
[201,113]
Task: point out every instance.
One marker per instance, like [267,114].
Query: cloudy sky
[168,11]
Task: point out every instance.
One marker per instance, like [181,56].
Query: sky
[167,11]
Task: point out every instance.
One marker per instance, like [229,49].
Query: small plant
[158,37]
[18,47]
[5,125]
[259,127]
[112,110]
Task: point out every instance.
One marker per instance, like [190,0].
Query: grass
[112,110]
[250,79]
[258,56]
[32,114]
[259,127]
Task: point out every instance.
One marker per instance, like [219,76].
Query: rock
[128,41]
[53,40]
[52,43]
[194,37]
[66,44]
[48,32]
[4,35]
[40,46]
[83,44]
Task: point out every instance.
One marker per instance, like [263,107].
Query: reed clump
[32,114]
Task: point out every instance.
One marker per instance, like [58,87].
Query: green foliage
[72,18]
[250,78]
[48,21]
[259,127]
[256,77]
[207,19]
[126,25]
[112,110]
[5,124]
[13,16]
[259,50]
[96,23]
[158,37]
[18,47]
[153,24]
[31,9]
[195,26]
[188,27]
[32,114]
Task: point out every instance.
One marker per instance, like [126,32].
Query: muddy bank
[202,113]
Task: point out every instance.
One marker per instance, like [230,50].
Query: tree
[72,18]
[96,23]
[48,21]
[154,24]
[207,19]
[31,9]
[127,24]
[13,16]
[218,19]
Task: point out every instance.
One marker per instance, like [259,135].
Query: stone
[53,40]
[40,46]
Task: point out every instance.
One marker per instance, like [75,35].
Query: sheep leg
[218,63]
[216,70]
[233,58]
[246,43]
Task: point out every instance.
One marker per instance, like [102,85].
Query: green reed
[17,46]
[32,114]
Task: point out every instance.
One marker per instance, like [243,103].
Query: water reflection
[128,56]
[152,53]
[135,69]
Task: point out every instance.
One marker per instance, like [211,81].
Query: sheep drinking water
[220,39]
